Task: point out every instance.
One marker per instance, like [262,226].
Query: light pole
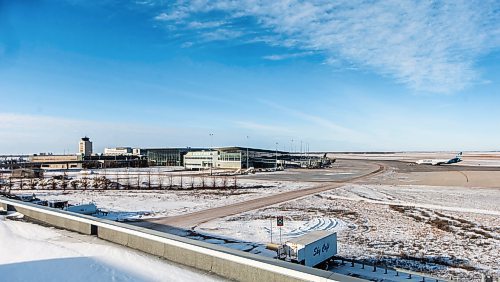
[307,151]
[211,152]
[301,149]
[247,152]
[276,164]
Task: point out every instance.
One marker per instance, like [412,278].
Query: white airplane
[456,159]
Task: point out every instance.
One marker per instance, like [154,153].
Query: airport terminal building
[233,158]
[167,156]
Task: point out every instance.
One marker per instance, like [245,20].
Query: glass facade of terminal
[167,156]
[230,156]
[257,158]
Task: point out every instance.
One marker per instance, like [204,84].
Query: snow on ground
[256,226]
[449,232]
[477,200]
[30,252]
[135,204]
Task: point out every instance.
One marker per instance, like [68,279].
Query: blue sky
[342,76]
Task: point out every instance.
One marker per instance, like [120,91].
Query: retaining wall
[226,262]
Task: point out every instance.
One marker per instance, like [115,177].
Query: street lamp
[276,164]
[247,151]
[211,152]
[301,149]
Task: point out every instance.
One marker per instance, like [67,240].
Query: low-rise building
[137,152]
[200,160]
[57,161]
[118,151]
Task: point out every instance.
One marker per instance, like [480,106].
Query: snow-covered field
[30,252]
[135,204]
[139,193]
[451,232]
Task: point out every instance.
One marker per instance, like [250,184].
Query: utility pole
[307,150]
[247,152]
[276,163]
[301,149]
[211,152]
[271,230]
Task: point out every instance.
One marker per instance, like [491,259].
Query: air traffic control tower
[85,146]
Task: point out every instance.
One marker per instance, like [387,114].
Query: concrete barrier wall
[57,221]
[56,218]
[222,265]
[226,262]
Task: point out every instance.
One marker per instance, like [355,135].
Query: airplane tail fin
[459,155]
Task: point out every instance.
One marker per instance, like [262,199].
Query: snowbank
[29,252]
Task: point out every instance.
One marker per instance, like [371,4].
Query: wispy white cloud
[279,57]
[429,46]
[321,125]
[187,44]
[221,34]
[203,25]
[172,16]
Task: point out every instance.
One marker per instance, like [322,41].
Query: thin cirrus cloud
[427,45]
[279,57]
[323,125]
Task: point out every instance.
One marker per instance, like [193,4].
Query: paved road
[191,220]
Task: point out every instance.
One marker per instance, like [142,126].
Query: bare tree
[203,181]
[96,182]
[10,185]
[74,184]
[192,182]
[170,180]
[117,179]
[149,179]
[138,181]
[214,182]
[64,183]
[160,179]
[85,183]
[224,182]
[106,183]
[43,184]
[235,183]
[53,184]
